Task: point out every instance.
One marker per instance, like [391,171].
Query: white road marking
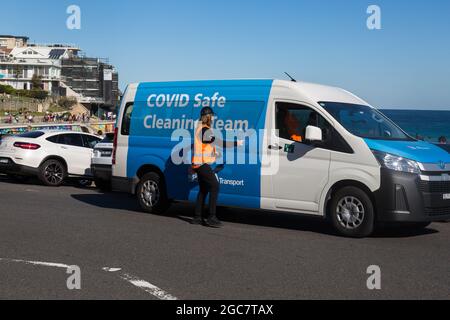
[38,263]
[148,287]
[141,284]
[107,269]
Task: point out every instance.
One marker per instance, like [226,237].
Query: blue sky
[404,65]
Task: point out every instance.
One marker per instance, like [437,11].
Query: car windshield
[109,138]
[365,122]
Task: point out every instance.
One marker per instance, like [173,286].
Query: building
[22,63]
[7,44]
[11,42]
[64,71]
[93,78]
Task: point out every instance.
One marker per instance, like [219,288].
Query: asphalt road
[256,255]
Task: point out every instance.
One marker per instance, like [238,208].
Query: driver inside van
[292,127]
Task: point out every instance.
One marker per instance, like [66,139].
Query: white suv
[52,156]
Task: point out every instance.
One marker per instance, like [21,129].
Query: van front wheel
[151,194]
[352,212]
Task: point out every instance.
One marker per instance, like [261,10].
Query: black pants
[208,184]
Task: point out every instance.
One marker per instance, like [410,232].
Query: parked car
[102,161]
[52,156]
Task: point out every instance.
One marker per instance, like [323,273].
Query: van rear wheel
[151,193]
[352,213]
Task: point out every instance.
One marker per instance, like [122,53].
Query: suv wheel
[352,212]
[151,193]
[52,173]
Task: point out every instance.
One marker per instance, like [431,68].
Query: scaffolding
[86,76]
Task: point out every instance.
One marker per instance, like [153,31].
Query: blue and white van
[352,165]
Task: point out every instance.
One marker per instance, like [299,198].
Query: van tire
[352,213]
[52,173]
[152,195]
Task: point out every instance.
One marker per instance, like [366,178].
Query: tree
[38,94]
[67,102]
[36,82]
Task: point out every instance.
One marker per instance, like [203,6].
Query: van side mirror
[313,134]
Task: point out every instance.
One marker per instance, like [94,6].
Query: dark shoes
[197,220]
[213,222]
[210,222]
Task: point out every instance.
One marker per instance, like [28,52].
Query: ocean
[425,124]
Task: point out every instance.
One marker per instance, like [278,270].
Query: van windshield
[365,122]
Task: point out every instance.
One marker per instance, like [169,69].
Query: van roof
[313,91]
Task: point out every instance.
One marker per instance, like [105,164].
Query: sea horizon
[413,109]
[422,124]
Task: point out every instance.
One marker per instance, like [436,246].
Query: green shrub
[66,102]
[23,93]
[38,94]
[7,89]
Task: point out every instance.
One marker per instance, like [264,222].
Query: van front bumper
[405,197]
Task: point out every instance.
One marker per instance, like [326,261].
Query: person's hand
[240,143]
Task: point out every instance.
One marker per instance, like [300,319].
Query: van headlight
[396,163]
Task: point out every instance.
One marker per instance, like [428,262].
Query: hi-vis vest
[292,126]
[204,153]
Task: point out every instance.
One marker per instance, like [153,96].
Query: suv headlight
[396,163]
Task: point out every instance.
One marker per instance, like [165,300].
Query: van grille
[435,186]
[437,211]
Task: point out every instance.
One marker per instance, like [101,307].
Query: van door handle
[275,147]
[65,148]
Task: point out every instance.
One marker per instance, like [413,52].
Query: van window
[365,122]
[126,119]
[292,120]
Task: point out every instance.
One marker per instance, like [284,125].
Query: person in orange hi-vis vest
[293,127]
[203,157]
